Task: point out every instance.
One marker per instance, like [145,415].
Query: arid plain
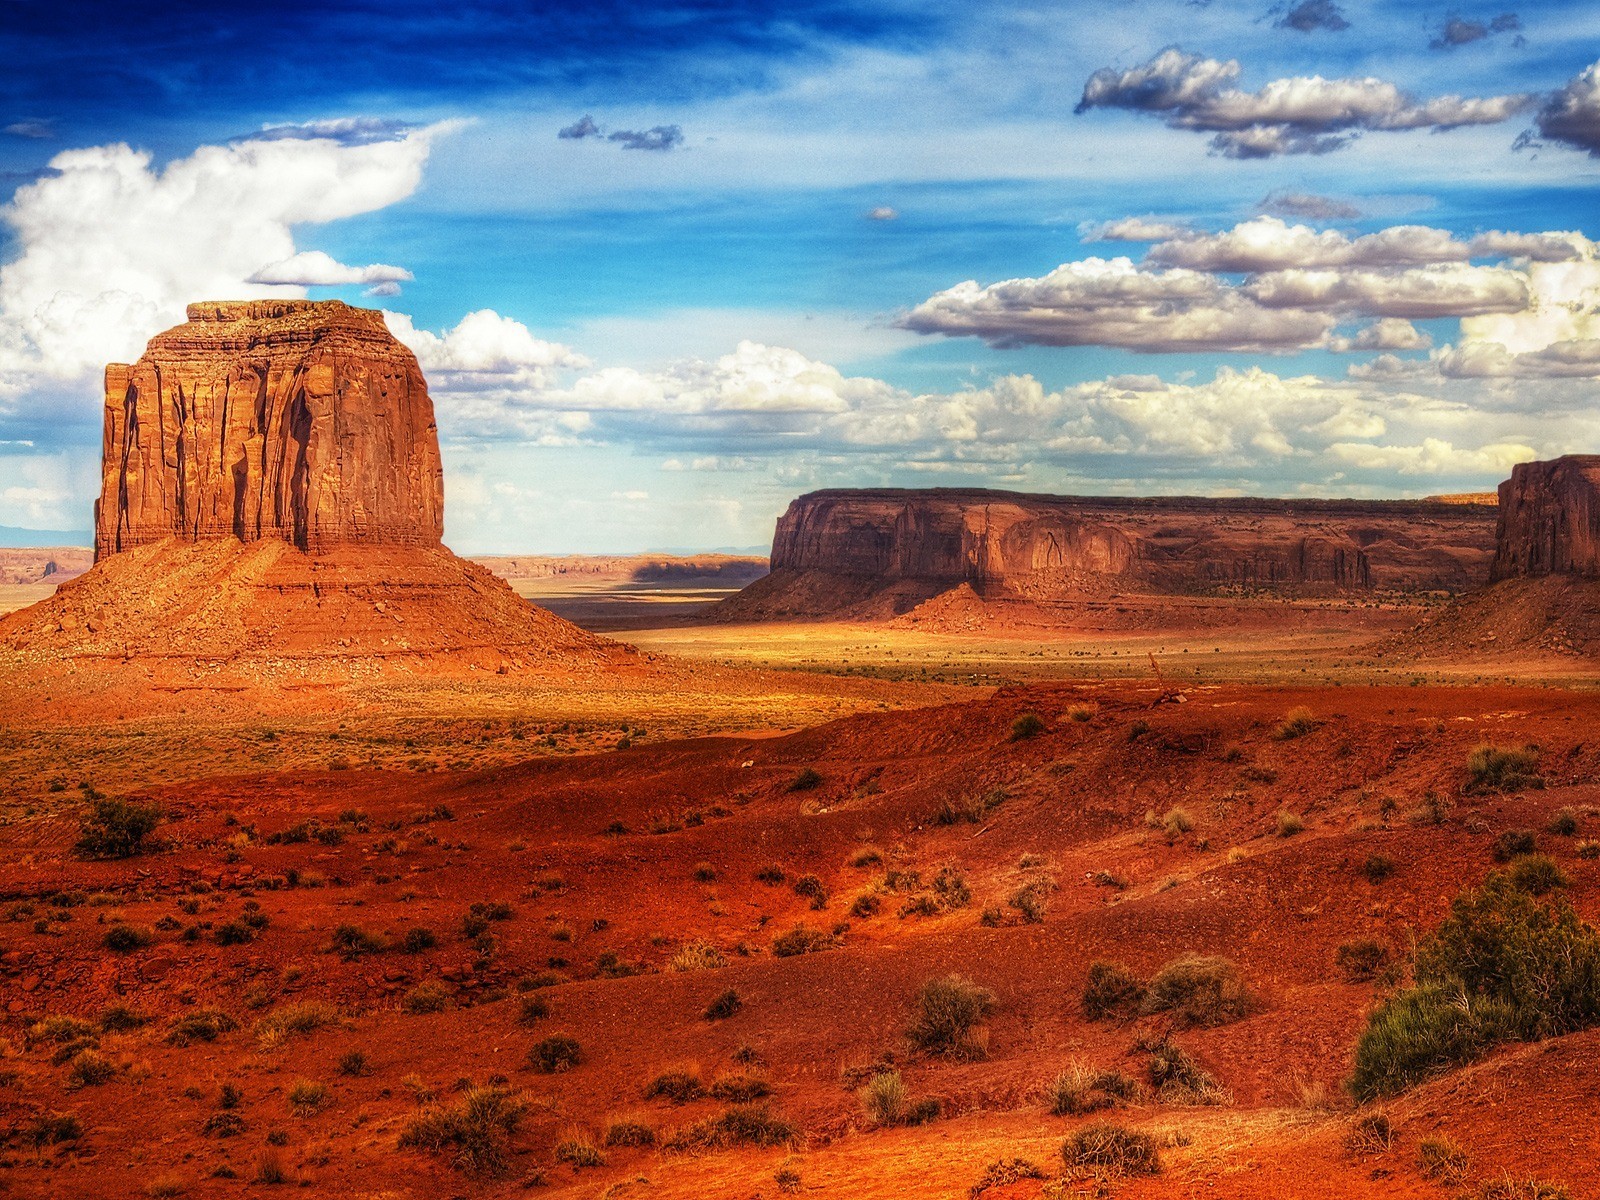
[986,845]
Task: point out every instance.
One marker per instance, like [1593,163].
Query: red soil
[1076,795]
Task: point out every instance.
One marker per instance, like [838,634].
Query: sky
[667,266]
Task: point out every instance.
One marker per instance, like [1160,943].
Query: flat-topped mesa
[299,420]
[1550,519]
[1008,544]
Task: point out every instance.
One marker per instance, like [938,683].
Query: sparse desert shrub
[886,1101]
[1003,1172]
[307,1097]
[771,875]
[223,1124]
[1286,824]
[787,1179]
[1032,899]
[1085,1089]
[119,1018]
[1424,1029]
[305,1017]
[865,856]
[1587,849]
[1496,769]
[1081,713]
[1563,823]
[122,938]
[89,1068]
[164,1187]
[53,1129]
[723,1005]
[1113,1148]
[704,872]
[557,1053]
[1111,991]
[430,996]
[698,955]
[418,939]
[680,1084]
[1198,990]
[1297,722]
[1536,874]
[800,940]
[474,1131]
[1179,1079]
[951,887]
[739,1087]
[1176,822]
[811,888]
[740,1125]
[1509,1187]
[577,1149]
[629,1131]
[1370,1133]
[807,779]
[947,1014]
[1362,960]
[532,1009]
[353,1063]
[1377,868]
[1514,842]
[60,1029]
[1442,1161]
[200,1025]
[865,905]
[1029,724]
[116,828]
[270,1169]
[351,942]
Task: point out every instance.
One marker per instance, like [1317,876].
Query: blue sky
[749,277]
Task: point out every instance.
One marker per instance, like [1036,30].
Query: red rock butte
[300,420]
[1550,519]
[272,502]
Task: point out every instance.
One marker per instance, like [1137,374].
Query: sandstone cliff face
[1054,547]
[298,420]
[1550,519]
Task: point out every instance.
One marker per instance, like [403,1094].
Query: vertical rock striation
[304,421]
[1550,519]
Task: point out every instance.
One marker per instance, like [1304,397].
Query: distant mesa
[883,552]
[272,491]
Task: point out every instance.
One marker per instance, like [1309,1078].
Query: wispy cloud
[1296,115]
[657,137]
[1459,31]
[1311,15]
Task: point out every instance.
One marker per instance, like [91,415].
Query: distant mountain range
[22,539]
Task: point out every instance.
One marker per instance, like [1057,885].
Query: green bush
[200,1025]
[1299,722]
[124,939]
[800,940]
[1514,842]
[948,1012]
[1113,1148]
[116,828]
[1361,961]
[886,1100]
[557,1053]
[1536,874]
[1085,1089]
[1026,726]
[475,1131]
[1111,991]
[740,1125]
[1198,990]
[1504,966]
[1493,769]
[1563,823]
[723,1005]
[680,1085]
